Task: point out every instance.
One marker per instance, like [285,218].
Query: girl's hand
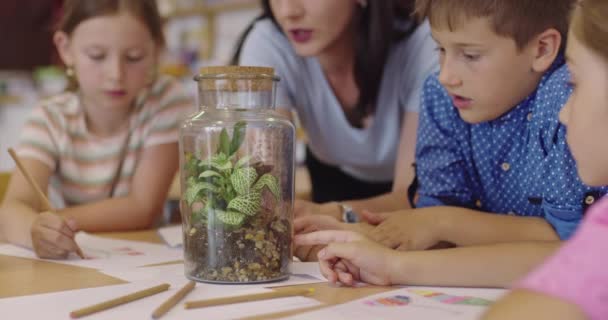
[351,257]
[53,236]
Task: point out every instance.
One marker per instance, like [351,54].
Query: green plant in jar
[228,189]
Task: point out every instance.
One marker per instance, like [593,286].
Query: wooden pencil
[171,302]
[289,292]
[46,204]
[119,301]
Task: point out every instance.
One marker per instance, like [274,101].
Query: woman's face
[314,26]
[586,113]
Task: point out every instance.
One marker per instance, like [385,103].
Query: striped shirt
[85,165]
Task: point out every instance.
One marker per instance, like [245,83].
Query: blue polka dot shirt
[517,164]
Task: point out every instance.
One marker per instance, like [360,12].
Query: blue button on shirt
[517,164]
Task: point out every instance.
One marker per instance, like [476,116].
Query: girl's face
[113,57]
[586,113]
[314,26]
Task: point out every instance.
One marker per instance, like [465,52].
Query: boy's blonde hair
[520,20]
[590,25]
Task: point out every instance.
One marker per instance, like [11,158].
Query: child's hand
[410,230]
[350,257]
[310,223]
[318,222]
[53,236]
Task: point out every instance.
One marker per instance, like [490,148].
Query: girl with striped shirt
[109,147]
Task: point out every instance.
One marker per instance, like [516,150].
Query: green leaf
[220,162]
[238,136]
[269,181]
[248,204]
[230,217]
[209,173]
[242,180]
[194,188]
[242,161]
[224,146]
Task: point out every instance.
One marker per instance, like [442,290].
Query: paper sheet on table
[172,235]
[104,253]
[307,268]
[427,303]
[173,270]
[59,305]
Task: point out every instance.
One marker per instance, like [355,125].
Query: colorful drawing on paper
[452,299]
[395,301]
[96,253]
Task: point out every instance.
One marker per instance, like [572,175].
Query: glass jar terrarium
[237,179]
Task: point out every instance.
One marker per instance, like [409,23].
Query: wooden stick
[46,204]
[171,302]
[118,301]
[249,297]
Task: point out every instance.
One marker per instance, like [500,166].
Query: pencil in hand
[46,204]
[119,301]
[171,302]
[290,292]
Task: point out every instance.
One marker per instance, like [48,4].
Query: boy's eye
[440,50]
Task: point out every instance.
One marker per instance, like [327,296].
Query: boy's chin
[472,117]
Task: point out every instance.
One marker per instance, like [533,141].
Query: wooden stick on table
[118,301]
[290,292]
[171,302]
[46,204]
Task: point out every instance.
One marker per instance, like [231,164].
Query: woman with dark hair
[352,70]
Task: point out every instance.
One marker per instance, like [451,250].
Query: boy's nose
[447,77]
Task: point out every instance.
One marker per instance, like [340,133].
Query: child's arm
[422,228]
[483,266]
[144,203]
[523,304]
[24,224]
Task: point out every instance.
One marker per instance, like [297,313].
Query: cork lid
[236,78]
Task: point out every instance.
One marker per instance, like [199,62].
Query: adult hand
[304,208]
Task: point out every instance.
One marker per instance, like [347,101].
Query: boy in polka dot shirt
[573,283]
[489,141]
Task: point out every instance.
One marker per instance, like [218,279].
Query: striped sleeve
[37,140]
[173,105]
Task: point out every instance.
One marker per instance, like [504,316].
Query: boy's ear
[546,47]
[62,42]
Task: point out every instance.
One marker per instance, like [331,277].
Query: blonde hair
[590,26]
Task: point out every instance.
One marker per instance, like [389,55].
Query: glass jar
[237,179]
